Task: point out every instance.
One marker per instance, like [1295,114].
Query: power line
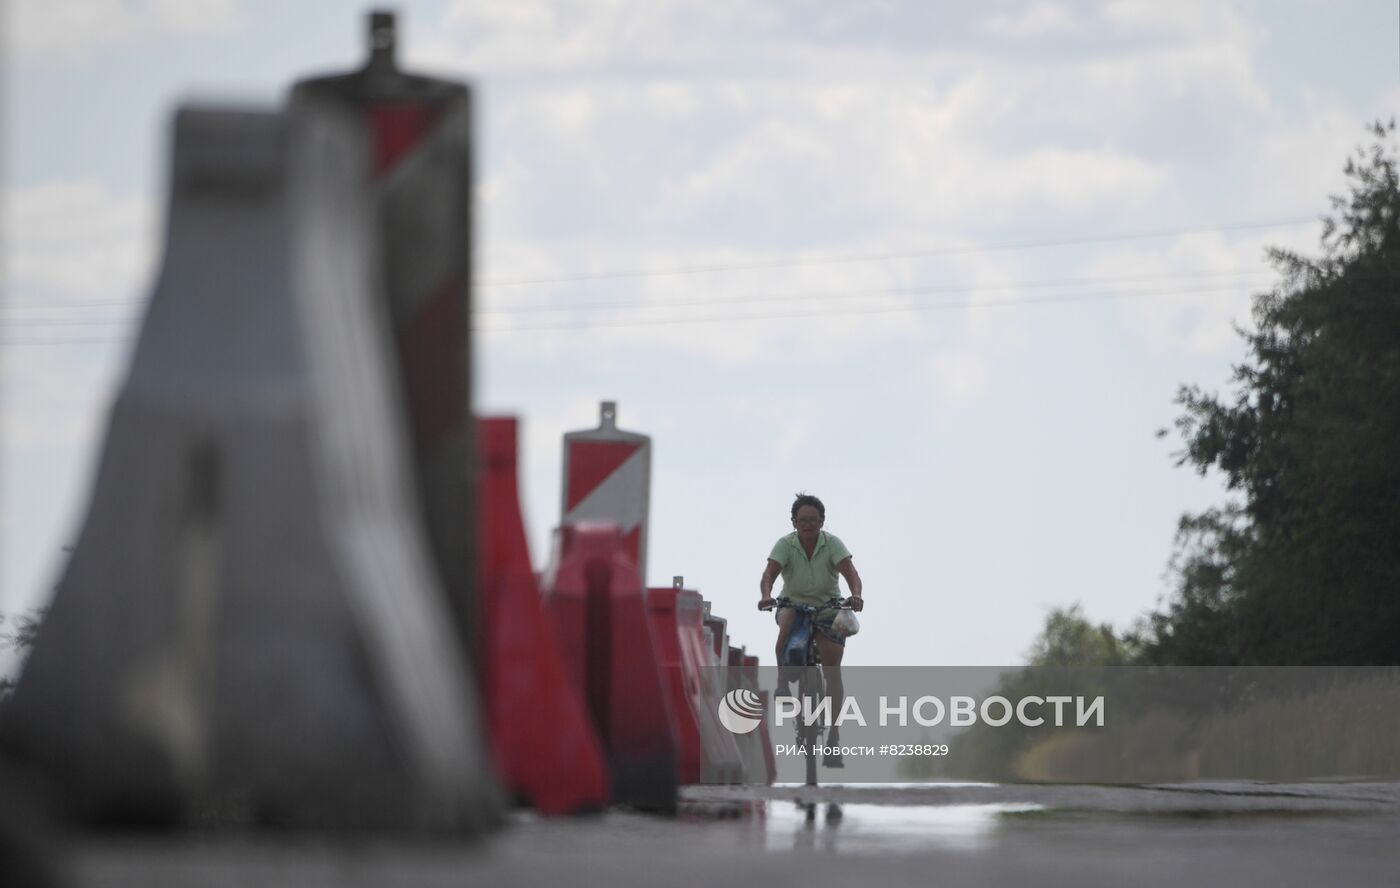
[94,303]
[62,322]
[807,296]
[789,262]
[940,306]
[812,296]
[877,257]
[103,341]
[712,319]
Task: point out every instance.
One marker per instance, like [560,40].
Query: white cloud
[76,240]
[1069,180]
[860,142]
[739,318]
[54,398]
[991,279]
[53,407]
[789,439]
[1386,104]
[1036,20]
[826,151]
[843,149]
[1196,302]
[569,112]
[60,32]
[1210,19]
[1298,159]
[959,375]
[570,34]
[983,335]
[672,100]
[773,147]
[77,260]
[847,168]
[72,248]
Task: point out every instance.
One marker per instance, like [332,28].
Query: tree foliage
[1069,639]
[1304,568]
[1070,656]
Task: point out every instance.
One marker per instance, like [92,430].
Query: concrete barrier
[595,599]
[250,621]
[543,740]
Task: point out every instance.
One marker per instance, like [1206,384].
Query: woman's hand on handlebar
[767,603]
[856,602]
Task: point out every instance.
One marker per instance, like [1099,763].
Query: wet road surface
[942,834]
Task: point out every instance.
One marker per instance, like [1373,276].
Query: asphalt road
[954,834]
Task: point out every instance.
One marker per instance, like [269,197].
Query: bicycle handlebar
[780,603]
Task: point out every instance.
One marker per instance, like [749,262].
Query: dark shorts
[823,619]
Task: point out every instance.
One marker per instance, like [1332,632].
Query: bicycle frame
[801,653]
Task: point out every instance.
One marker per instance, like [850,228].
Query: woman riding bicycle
[809,560]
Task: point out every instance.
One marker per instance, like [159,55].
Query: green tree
[1069,639]
[1200,624]
[1071,655]
[1304,568]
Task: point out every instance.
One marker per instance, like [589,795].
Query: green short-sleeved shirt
[810,581]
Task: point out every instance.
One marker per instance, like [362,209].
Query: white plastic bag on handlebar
[845,624]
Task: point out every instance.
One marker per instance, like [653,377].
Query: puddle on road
[867,828]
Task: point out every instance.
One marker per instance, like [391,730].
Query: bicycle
[801,663]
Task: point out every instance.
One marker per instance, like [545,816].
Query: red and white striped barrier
[420,133]
[607,478]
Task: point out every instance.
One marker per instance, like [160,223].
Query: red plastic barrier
[594,595]
[751,670]
[751,744]
[719,637]
[751,681]
[770,758]
[697,681]
[682,689]
[719,627]
[544,744]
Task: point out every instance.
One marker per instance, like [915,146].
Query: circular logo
[741,711]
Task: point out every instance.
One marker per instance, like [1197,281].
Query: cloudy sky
[942,264]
